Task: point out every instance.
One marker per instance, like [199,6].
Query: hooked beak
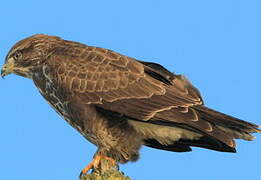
[7,68]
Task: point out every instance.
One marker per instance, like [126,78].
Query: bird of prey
[119,103]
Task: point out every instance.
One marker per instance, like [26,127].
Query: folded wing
[165,108]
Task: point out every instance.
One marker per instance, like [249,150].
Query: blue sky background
[216,44]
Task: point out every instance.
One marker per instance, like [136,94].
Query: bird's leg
[91,165]
[96,163]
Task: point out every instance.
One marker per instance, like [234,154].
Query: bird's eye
[17,55]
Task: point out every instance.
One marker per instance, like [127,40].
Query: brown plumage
[119,103]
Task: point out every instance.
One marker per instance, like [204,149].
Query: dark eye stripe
[28,63]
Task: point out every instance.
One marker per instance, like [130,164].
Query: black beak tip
[2,74]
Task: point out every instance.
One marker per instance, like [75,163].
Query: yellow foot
[96,162]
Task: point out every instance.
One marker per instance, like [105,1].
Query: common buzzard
[119,103]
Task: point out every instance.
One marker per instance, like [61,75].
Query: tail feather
[183,145]
[171,147]
[225,129]
[237,128]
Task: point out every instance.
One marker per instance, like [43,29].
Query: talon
[96,162]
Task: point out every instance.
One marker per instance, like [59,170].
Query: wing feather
[108,75]
[138,90]
[122,84]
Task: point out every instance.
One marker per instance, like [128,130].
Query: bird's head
[28,54]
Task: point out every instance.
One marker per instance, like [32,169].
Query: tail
[225,129]
[236,128]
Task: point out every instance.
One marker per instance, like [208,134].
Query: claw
[96,162]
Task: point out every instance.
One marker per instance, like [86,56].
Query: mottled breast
[56,96]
